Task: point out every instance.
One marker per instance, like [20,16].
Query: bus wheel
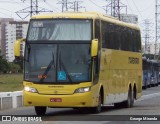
[156,84]
[149,86]
[130,100]
[40,110]
[98,108]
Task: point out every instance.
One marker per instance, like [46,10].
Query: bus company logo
[133,60]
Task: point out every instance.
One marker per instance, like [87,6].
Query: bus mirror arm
[94,47]
[17,47]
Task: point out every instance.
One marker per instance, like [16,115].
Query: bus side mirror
[17,47]
[94,47]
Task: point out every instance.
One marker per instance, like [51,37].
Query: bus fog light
[82,90]
[30,89]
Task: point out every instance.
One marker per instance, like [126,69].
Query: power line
[65,4]
[4,1]
[115,6]
[52,7]
[6,14]
[32,10]
[76,6]
[129,6]
[13,2]
[137,9]
[96,5]
[144,10]
[6,10]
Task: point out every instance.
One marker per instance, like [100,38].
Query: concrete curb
[9,100]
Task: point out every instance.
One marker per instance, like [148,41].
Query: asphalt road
[147,108]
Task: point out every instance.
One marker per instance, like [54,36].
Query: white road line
[144,97]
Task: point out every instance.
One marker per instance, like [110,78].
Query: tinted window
[120,38]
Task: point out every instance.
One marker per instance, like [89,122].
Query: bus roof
[85,15]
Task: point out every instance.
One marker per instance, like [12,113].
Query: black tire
[149,86]
[156,84]
[98,108]
[145,87]
[152,85]
[118,105]
[130,100]
[40,110]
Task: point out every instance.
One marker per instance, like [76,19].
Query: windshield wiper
[48,68]
[64,68]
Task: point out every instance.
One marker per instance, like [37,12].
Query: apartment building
[150,48]
[12,31]
[129,18]
[3,22]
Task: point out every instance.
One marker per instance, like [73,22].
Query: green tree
[4,67]
[19,61]
[14,68]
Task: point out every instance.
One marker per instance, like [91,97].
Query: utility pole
[76,6]
[65,5]
[34,9]
[114,7]
[157,28]
[147,32]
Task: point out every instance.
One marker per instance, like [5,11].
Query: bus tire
[130,100]
[149,86]
[118,105]
[157,84]
[40,110]
[98,108]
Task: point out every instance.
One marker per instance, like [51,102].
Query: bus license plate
[55,100]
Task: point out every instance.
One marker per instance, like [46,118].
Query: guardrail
[10,100]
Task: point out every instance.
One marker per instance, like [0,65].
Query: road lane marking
[145,97]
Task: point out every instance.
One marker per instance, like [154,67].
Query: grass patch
[11,82]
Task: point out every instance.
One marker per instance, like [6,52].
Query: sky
[145,9]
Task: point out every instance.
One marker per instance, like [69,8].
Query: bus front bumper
[74,100]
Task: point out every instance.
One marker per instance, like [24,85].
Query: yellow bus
[81,60]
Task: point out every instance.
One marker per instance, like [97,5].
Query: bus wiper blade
[63,66]
[48,68]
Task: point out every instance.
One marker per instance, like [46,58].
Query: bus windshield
[56,30]
[57,63]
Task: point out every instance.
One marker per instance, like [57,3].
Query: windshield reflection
[59,30]
[63,63]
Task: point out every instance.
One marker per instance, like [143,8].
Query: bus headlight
[30,89]
[82,90]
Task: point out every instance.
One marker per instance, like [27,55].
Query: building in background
[11,31]
[151,48]
[129,18]
[3,22]
[14,30]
